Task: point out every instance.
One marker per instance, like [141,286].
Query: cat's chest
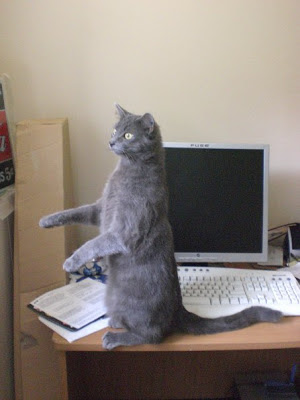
[121,192]
[131,197]
[126,184]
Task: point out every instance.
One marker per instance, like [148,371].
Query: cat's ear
[121,110]
[147,122]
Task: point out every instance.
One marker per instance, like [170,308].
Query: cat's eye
[128,135]
[114,132]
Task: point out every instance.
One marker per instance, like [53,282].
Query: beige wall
[209,71]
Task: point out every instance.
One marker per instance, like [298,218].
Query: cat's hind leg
[88,215]
[115,323]
[110,340]
[152,334]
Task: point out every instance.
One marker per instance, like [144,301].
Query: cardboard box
[43,186]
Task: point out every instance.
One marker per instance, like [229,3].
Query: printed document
[75,305]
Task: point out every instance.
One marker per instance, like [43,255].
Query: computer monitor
[218,201]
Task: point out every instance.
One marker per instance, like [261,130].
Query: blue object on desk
[91,270]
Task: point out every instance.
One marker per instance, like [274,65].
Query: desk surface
[283,335]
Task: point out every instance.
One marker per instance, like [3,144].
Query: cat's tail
[193,324]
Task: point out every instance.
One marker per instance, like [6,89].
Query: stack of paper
[72,336]
[74,310]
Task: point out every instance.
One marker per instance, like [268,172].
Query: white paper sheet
[76,304]
[295,270]
[72,336]
[7,197]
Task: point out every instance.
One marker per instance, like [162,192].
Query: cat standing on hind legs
[143,294]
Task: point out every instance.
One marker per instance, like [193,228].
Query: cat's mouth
[115,149]
[120,152]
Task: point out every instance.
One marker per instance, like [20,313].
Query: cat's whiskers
[129,156]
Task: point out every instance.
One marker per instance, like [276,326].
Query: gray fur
[143,293]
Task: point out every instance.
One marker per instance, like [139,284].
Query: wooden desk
[183,366]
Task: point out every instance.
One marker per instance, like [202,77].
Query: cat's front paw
[45,222]
[52,220]
[110,340]
[70,265]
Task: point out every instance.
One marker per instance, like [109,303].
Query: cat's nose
[111,144]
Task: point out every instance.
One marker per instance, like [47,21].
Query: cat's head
[134,135]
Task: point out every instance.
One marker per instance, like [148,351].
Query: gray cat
[143,293]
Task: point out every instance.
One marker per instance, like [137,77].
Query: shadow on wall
[284,194]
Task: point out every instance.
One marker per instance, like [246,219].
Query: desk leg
[63,376]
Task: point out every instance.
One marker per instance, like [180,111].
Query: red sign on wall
[7,175]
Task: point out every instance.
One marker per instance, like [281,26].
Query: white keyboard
[215,292]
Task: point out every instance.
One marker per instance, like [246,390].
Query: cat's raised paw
[45,223]
[70,266]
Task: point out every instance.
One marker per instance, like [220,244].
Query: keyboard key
[198,300]
[225,300]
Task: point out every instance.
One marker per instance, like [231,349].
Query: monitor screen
[218,201]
